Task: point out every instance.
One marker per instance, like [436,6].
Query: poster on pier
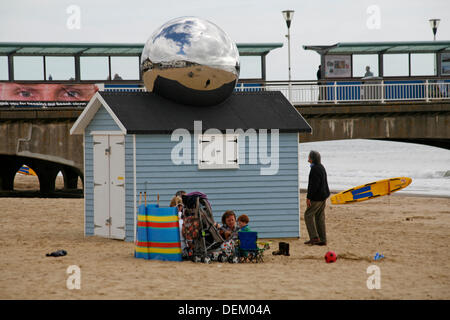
[445,64]
[338,66]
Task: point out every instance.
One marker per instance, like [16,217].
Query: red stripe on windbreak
[159,244]
[158,224]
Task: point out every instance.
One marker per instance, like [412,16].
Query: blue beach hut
[243,153]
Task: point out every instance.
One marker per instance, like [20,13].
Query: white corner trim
[84,185]
[298,186]
[134,182]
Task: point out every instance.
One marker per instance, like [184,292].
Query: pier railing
[335,92]
[312,92]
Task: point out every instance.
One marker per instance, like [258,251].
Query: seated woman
[229,229]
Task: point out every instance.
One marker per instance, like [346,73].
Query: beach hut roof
[146,112]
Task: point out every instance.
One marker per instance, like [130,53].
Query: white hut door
[101,186]
[109,186]
[117,186]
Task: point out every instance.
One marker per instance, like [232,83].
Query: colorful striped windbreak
[158,236]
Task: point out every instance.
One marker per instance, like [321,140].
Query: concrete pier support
[8,168]
[46,173]
[70,177]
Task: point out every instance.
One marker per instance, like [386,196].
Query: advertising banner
[13,94]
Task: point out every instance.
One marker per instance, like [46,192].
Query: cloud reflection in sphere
[191,61]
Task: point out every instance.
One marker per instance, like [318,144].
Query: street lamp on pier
[434,23]
[288,15]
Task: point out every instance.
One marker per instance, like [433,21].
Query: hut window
[218,151]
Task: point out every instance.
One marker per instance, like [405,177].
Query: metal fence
[309,92]
[335,92]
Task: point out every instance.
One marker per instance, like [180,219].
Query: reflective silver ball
[191,61]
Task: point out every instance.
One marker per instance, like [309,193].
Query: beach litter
[378,256]
[59,253]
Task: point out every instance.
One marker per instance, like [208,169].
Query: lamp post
[434,23]
[288,15]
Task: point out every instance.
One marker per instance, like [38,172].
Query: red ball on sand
[330,257]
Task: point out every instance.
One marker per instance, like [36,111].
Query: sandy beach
[411,232]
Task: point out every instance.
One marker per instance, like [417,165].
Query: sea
[350,163]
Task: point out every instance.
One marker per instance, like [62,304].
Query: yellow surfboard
[26,171]
[371,190]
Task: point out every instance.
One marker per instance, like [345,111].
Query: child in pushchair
[203,240]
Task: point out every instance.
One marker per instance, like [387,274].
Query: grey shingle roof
[145,112]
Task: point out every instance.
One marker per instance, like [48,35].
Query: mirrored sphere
[191,61]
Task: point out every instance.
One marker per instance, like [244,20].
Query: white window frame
[220,163]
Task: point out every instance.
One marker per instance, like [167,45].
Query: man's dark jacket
[318,185]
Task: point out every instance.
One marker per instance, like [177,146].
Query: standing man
[319,82]
[318,192]
[319,73]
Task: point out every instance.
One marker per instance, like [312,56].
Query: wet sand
[411,232]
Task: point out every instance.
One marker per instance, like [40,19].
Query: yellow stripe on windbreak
[141,249]
[157,219]
[165,250]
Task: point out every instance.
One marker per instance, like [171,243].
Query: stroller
[203,241]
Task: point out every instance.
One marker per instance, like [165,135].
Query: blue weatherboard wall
[271,201]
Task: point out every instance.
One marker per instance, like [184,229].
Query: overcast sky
[315,22]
